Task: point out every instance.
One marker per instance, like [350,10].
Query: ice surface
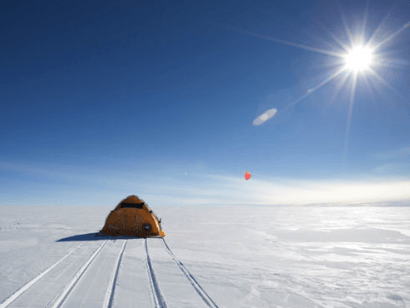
[242,256]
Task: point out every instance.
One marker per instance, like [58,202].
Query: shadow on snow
[96,237]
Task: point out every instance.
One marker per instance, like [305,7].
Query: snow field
[240,256]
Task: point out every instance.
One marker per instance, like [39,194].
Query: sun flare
[359,59]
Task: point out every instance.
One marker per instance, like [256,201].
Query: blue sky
[103,99]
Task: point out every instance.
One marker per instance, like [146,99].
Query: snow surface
[239,256]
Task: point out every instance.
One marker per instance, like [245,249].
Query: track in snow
[205,297]
[19,292]
[67,293]
[156,292]
[30,294]
[60,300]
[111,288]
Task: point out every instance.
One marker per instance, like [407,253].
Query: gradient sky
[103,99]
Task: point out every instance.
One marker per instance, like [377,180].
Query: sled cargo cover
[132,217]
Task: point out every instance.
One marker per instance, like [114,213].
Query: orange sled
[132,217]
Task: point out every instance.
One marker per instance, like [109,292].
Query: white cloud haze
[198,188]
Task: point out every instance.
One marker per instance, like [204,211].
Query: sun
[358,59]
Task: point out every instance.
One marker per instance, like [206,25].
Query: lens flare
[264,116]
